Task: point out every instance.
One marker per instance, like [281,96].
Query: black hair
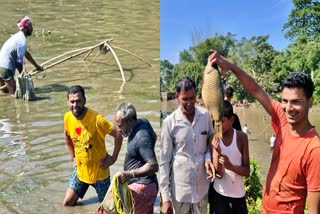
[228,91]
[299,80]
[75,89]
[185,84]
[227,110]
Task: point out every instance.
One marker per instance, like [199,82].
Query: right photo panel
[239,85]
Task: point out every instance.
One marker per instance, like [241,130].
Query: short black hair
[185,84]
[75,89]
[227,110]
[228,91]
[300,80]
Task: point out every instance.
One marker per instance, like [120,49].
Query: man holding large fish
[185,159]
[295,170]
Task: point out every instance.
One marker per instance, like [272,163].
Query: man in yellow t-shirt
[84,133]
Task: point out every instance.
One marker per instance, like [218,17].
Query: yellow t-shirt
[88,137]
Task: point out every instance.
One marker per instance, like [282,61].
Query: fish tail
[217,130]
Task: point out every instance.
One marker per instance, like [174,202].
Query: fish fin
[218,129]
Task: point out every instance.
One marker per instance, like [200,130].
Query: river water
[34,162]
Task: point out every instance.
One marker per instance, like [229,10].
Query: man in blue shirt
[140,164]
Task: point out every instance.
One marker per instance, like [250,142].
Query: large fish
[212,96]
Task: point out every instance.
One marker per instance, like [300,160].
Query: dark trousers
[220,204]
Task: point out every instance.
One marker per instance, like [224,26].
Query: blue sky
[182,21]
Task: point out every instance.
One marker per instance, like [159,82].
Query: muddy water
[34,163]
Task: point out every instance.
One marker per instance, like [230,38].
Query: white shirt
[272,141]
[245,130]
[13,51]
[183,151]
[231,184]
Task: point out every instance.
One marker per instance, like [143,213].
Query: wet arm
[69,144]
[32,61]
[117,144]
[149,168]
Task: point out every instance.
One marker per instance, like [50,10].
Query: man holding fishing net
[295,170]
[12,53]
[140,164]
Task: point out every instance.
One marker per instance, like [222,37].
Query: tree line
[259,58]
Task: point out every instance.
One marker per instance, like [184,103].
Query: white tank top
[231,184]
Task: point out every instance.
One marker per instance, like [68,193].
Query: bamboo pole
[118,62]
[133,55]
[70,52]
[86,56]
[82,51]
[58,62]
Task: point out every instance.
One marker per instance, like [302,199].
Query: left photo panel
[79,106]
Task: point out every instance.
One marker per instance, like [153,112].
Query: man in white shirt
[245,129]
[12,53]
[185,161]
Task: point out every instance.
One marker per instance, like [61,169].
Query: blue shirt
[140,149]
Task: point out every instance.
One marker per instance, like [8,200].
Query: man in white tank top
[231,161]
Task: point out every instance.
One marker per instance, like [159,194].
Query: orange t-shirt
[294,169]
[88,137]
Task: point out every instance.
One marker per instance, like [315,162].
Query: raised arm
[248,83]
[216,153]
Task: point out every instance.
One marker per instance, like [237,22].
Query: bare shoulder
[242,140]
[241,136]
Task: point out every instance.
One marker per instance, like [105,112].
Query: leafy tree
[304,20]
[186,56]
[194,70]
[255,56]
[220,43]
[165,74]
[302,55]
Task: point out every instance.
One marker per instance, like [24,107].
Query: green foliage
[193,70]
[266,65]
[303,20]
[165,74]
[253,187]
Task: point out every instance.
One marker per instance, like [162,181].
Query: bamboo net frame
[104,48]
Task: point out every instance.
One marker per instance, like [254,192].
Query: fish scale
[212,96]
